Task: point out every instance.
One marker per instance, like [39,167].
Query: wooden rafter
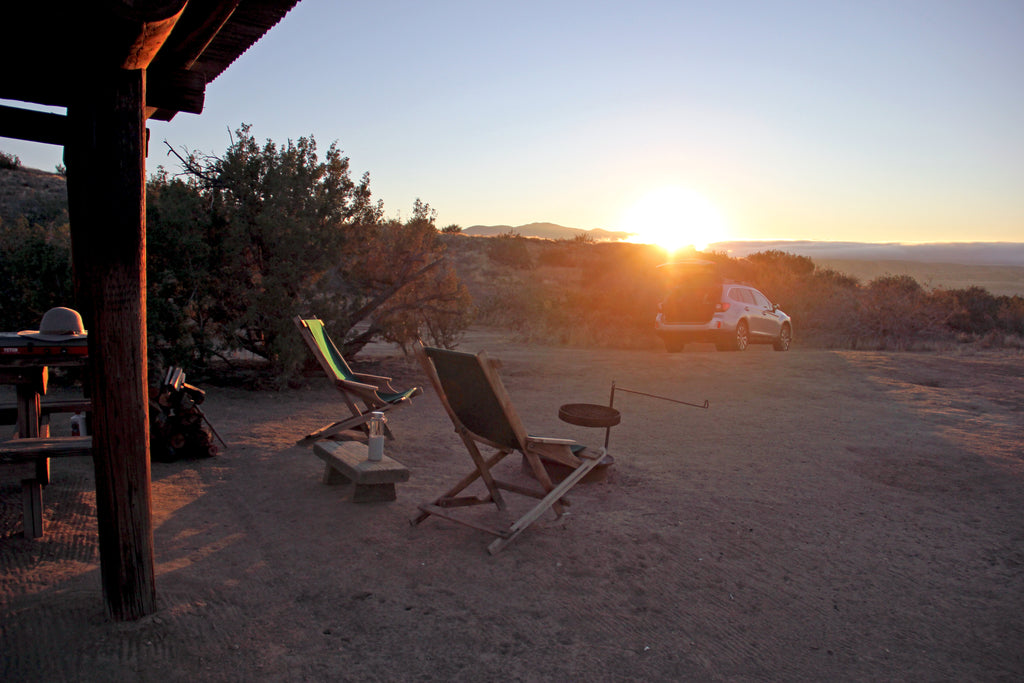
[184,46]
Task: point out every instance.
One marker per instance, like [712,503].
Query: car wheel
[739,340]
[784,340]
[742,336]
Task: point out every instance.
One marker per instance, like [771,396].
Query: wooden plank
[28,411]
[350,460]
[9,410]
[465,521]
[196,27]
[32,508]
[79,405]
[549,501]
[35,126]
[176,90]
[26,450]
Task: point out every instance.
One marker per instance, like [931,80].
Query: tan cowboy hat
[58,324]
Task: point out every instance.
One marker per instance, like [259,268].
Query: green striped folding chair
[362,393]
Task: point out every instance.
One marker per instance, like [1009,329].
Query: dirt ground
[831,516]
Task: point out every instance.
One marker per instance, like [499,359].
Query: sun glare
[675,218]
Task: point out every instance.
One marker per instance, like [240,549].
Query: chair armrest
[559,450]
[378,381]
[357,387]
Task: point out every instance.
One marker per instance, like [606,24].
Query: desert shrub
[895,312]
[973,310]
[564,253]
[35,272]
[179,258]
[509,249]
[608,297]
[606,294]
[1010,314]
[9,161]
[452,229]
[773,266]
[244,242]
[782,277]
[824,308]
[514,302]
[614,307]
[402,285]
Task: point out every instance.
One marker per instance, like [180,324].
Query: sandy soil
[832,516]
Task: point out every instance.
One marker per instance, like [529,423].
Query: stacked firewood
[178,427]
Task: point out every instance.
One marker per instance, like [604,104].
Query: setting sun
[675,218]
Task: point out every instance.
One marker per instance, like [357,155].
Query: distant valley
[966,253]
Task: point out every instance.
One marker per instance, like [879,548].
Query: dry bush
[895,312]
[606,294]
[577,294]
[1011,315]
[9,162]
[824,309]
[510,249]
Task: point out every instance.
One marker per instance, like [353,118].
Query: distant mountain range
[966,253]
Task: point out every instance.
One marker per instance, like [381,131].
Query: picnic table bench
[346,462]
[39,450]
[9,409]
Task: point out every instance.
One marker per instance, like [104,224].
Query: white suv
[701,306]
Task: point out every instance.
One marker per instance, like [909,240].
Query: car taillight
[722,307]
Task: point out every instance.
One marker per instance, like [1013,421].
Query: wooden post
[105,156]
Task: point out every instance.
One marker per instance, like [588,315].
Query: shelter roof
[60,45]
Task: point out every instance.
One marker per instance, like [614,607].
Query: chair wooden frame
[480,408]
[374,392]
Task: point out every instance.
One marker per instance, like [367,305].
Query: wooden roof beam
[174,90]
[141,51]
[199,24]
[34,126]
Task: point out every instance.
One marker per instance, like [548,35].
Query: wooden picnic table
[28,370]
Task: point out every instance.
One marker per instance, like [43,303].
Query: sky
[868,121]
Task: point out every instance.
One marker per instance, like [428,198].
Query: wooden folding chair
[475,399]
[374,392]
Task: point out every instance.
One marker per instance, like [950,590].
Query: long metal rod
[611,404]
[704,405]
[210,425]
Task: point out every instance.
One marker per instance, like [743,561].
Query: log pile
[177,428]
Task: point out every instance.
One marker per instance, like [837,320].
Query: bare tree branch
[377,301]
[193,168]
